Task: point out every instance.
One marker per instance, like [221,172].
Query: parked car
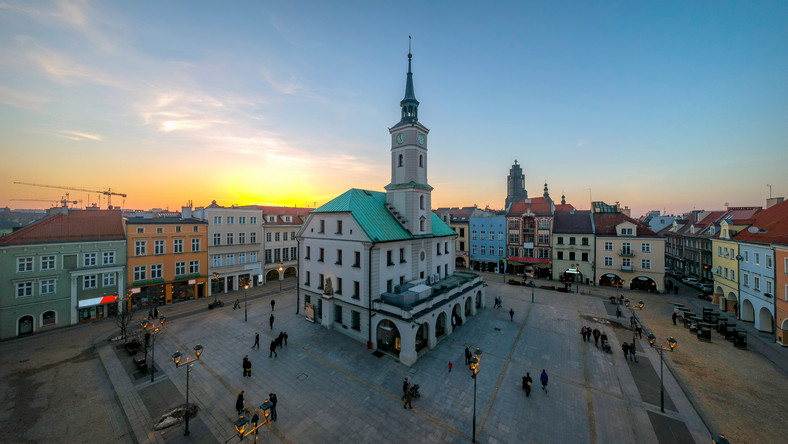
[705,297]
[706,288]
[690,281]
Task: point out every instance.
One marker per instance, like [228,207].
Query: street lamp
[475,361]
[280,277]
[176,358]
[671,344]
[246,306]
[151,328]
[242,423]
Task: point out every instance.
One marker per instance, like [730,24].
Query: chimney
[773,201]
[186,212]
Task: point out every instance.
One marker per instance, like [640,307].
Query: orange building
[781,291]
[167,260]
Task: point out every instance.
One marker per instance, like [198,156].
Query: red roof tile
[770,226]
[75,226]
[605,225]
[538,205]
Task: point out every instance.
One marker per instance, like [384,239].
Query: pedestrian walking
[450,366]
[256,341]
[625,348]
[239,403]
[621,299]
[243,364]
[280,339]
[527,381]
[155,313]
[603,337]
[596,337]
[405,388]
[272,399]
[633,353]
[467,356]
[255,420]
[511,314]
[273,302]
[408,400]
[272,349]
[674,316]
[639,331]
[285,337]
[247,365]
[583,333]
[271,321]
[543,378]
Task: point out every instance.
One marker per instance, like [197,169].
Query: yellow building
[725,265]
[628,254]
[167,260]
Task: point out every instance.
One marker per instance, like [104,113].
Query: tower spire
[409,104]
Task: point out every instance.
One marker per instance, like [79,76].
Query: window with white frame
[560,240]
[158,247]
[180,268]
[177,246]
[229,259]
[500,251]
[253,237]
[156,271]
[268,255]
[241,238]
[139,248]
[241,220]
[24,289]
[24,264]
[196,244]
[229,238]
[159,230]
[46,286]
[745,279]
[645,264]
[230,220]
[756,281]
[89,281]
[194,267]
[757,257]
[140,230]
[608,246]
[626,262]
[108,280]
[733,275]
[140,273]
[473,235]
[725,274]
[584,241]
[645,247]
[241,258]
[544,225]
[626,232]
[253,220]
[473,249]
[276,237]
[217,239]
[109,258]
[608,261]
[268,237]
[500,236]
[217,260]
[768,286]
[284,233]
[217,220]
[252,256]
[768,261]
[482,235]
[483,250]
[47,263]
[89,260]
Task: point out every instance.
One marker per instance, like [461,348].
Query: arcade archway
[765,320]
[388,338]
[643,283]
[610,280]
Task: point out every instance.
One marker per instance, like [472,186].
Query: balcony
[626,253]
[626,268]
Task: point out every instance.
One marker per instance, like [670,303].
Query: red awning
[528,260]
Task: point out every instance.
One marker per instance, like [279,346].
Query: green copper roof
[369,211]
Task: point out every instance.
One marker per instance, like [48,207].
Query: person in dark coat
[256,341]
[272,349]
[247,366]
[674,316]
[596,337]
[639,331]
[272,398]
[405,387]
[543,378]
[156,313]
[527,381]
[285,338]
[280,339]
[467,356]
[239,403]
[625,348]
[583,333]
[408,399]
[271,321]
[603,337]
[511,314]
[273,302]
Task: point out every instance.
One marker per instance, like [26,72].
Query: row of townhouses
[78,265]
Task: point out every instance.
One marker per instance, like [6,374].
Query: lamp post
[246,305]
[242,422]
[151,328]
[280,277]
[671,344]
[475,361]
[176,358]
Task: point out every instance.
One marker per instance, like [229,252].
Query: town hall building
[379,266]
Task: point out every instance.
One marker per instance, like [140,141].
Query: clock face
[421,139]
[401,137]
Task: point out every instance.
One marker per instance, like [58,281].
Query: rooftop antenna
[770,190]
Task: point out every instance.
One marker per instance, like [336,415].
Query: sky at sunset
[659,105]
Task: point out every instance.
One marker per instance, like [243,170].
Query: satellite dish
[752,229]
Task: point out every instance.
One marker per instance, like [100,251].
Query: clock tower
[408,196]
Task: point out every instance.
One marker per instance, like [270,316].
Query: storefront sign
[97,301]
[192,281]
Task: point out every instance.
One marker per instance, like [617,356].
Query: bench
[132,347]
[141,364]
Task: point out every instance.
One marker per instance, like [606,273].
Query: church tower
[408,196]
[515,185]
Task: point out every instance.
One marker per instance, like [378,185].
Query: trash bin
[706,314]
[694,326]
[740,340]
[687,320]
[704,332]
[730,331]
[722,322]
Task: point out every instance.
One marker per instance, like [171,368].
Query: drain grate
[302,376]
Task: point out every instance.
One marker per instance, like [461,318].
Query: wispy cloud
[23,99]
[77,136]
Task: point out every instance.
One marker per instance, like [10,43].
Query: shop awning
[97,301]
[527,260]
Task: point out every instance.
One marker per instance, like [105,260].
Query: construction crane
[109,193]
[62,201]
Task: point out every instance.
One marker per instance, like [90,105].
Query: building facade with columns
[380,267]
[59,271]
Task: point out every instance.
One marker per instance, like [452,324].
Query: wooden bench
[141,364]
[132,347]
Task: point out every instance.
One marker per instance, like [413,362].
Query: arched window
[421,223]
[421,202]
[400,160]
[421,160]
[49,318]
